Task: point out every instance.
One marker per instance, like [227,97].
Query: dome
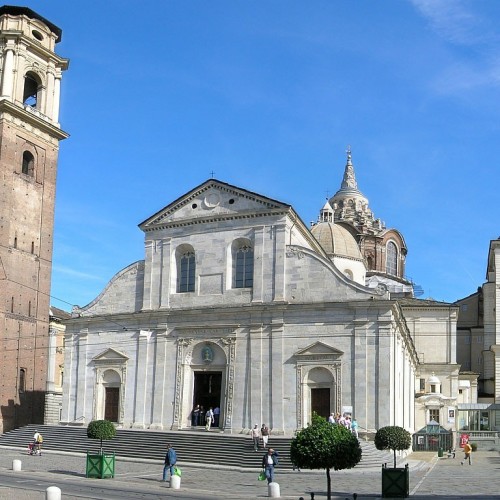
[433,380]
[336,240]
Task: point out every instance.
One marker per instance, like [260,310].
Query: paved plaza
[430,477]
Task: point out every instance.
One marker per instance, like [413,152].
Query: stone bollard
[273,490]
[175,482]
[16,465]
[53,493]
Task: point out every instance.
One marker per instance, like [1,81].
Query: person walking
[354,427]
[170,461]
[269,462]
[467,451]
[264,432]
[209,419]
[255,435]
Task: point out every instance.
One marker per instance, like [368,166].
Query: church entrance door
[111,404]
[207,392]
[320,401]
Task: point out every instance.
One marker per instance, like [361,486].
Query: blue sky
[268,95]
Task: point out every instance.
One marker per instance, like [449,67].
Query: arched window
[242,264]
[391,261]
[28,164]
[186,270]
[32,88]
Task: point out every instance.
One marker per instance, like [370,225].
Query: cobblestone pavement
[430,477]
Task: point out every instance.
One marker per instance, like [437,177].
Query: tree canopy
[323,445]
[101,429]
[393,438]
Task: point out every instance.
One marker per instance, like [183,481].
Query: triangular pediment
[319,349]
[213,200]
[110,355]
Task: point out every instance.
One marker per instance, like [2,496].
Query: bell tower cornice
[29,116]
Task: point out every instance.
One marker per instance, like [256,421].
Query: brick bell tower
[30,133]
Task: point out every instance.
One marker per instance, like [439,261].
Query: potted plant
[395,481]
[101,465]
[323,445]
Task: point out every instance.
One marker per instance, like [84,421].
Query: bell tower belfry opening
[30,133]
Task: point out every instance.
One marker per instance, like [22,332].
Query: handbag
[177,471]
[262,476]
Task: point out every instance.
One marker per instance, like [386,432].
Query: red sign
[464,439]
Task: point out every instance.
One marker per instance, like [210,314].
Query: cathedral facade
[239,306]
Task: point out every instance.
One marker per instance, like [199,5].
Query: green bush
[101,429]
[393,438]
[323,445]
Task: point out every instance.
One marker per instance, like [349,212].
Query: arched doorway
[320,384]
[111,384]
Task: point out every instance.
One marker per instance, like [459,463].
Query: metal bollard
[16,465]
[53,493]
[273,490]
[175,482]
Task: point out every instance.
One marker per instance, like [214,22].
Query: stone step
[211,447]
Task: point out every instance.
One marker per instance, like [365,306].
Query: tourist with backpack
[37,443]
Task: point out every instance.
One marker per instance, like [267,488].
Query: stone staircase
[197,447]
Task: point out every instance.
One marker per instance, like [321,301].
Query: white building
[237,305]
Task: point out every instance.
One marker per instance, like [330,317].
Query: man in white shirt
[269,462]
[255,434]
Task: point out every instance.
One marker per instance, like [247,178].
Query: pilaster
[81,391]
[141,379]
[159,374]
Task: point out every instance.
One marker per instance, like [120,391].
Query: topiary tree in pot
[395,481]
[323,445]
[393,438]
[101,429]
[101,465]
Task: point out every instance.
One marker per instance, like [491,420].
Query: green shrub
[393,438]
[101,429]
[323,445]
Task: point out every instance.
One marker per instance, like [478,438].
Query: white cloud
[67,271]
[453,21]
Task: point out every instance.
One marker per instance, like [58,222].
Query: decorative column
[51,360]
[277,378]
[148,272]
[258,266]
[48,109]
[56,104]
[160,376]
[165,273]
[363,374]
[257,359]
[182,344]
[141,379]
[68,410]
[8,73]
[229,344]
[279,263]
[81,377]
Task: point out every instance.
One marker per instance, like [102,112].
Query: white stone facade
[300,336]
